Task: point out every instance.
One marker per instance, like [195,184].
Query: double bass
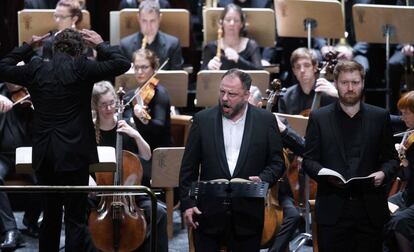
[118,224]
[295,173]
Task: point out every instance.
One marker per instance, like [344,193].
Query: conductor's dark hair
[245,78]
[69,41]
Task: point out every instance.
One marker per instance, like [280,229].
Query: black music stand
[228,189]
[379,23]
[308,18]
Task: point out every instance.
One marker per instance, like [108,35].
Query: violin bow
[21,99]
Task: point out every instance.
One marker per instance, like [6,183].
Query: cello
[118,224]
[273,213]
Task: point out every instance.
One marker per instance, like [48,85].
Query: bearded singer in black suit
[354,139]
[63,132]
[232,140]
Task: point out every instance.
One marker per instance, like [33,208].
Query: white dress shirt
[233,136]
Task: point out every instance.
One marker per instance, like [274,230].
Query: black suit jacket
[325,148]
[61,90]
[260,155]
[164,45]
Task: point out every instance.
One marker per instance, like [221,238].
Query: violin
[144,95]
[118,224]
[22,97]
[406,143]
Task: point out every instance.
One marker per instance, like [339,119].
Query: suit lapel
[244,148]
[219,144]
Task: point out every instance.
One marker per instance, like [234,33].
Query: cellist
[104,101]
[299,97]
[291,216]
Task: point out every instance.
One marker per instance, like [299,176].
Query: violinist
[400,229]
[164,45]
[63,135]
[104,101]
[15,131]
[233,49]
[151,109]
[299,97]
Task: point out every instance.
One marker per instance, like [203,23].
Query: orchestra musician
[354,139]
[164,45]
[299,97]
[234,49]
[68,14]
[226,142]
[15,131]
[349,48]
[401,61]
[63,134]
[291,216]
[104,101]
[152,118]
[401,226]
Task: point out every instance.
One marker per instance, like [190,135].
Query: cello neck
[118,173]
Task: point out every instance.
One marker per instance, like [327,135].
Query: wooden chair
[260,24]
[208,82]
[124,23]
[175,81]
[180,128]
[166,163]
[39,22]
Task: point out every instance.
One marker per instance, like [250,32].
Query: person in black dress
[237,51]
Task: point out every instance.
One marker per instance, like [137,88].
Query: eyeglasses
[60,17]
[235,20]
[104,105]
[142,67]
